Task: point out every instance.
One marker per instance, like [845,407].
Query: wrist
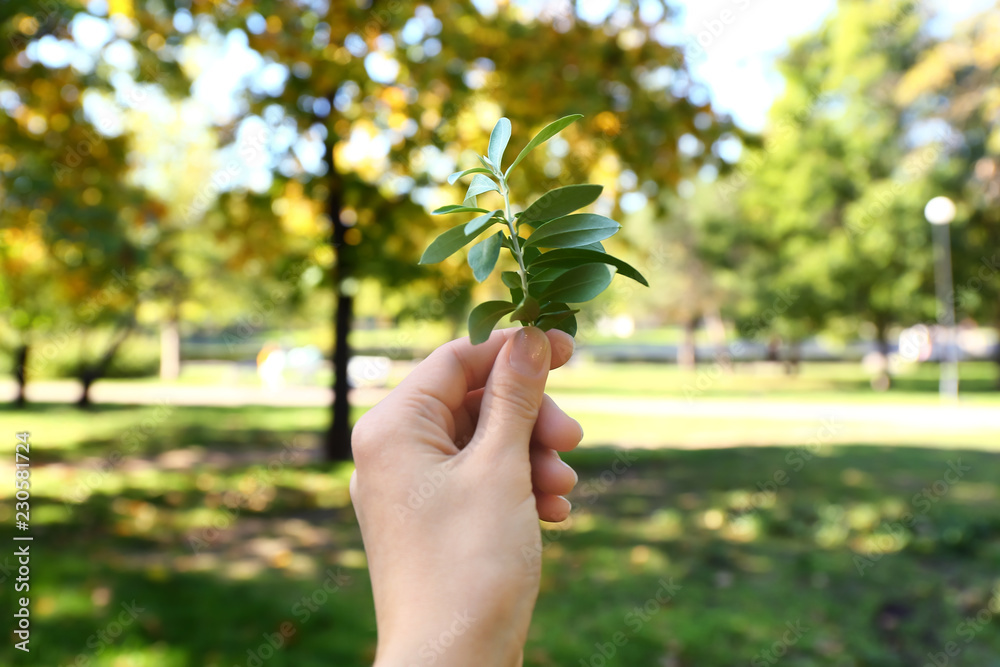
[456,641]
[421,652]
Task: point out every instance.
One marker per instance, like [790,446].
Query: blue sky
[732,44]
[736,59]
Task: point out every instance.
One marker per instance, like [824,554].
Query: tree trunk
[21,374]
[794,362]
[882,338]
[717,334]
[90,374]
[87,379]
[338,438]
[170,348]
[883,379]
[338,442]
[773,349]
[687,352]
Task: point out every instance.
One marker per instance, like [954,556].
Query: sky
[732,45]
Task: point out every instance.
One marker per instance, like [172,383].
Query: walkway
[954,417]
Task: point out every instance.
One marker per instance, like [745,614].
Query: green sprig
[561,261]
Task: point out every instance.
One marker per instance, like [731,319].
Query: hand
[454,469]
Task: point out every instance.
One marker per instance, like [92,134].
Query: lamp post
[940,211]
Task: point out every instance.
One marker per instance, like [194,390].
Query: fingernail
[527,354]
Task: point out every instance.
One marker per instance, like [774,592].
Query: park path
[958,417]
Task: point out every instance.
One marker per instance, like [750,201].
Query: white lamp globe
[940,211]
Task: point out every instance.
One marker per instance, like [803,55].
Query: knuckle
[513,402]
[363,438]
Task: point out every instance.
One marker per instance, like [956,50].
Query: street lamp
[940,211]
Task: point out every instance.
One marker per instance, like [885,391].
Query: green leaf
[481,184]
[447,244]
[547,133]
[498,142]
[457,208]
[511,279]
[570,257]
[462,174]
[527,253]
[484,317]
[559,202]
[554,307]
[479,223]
[573,231]
[548,274]
[580,284]
[483,256]
[527,310]
[568,325]
[540,281]
[596,246]
[551,320]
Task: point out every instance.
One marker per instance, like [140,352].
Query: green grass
[746,562]
[820,382]
[816,382]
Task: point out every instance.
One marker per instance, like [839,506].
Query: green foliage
[559,202]
[574,270]
[484,255]
[485,316]
[569,257]
[574,231]
[549,131]
[833,234]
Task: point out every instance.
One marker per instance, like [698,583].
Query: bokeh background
[210,218]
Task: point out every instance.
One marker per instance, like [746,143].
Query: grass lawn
[840,381]
[212,544]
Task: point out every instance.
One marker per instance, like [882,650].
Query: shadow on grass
[873,555]
[62,433]
[178,619]
[883,553]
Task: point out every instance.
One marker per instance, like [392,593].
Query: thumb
[513,396]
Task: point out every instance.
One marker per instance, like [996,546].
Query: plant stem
[515,246]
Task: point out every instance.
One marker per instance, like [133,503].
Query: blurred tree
[694,259]
[119,184]
[834,199]
[68,254]
[393,97]
[218,259]
[957,82]
[400,93]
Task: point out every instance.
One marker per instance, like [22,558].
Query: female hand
[454,469]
